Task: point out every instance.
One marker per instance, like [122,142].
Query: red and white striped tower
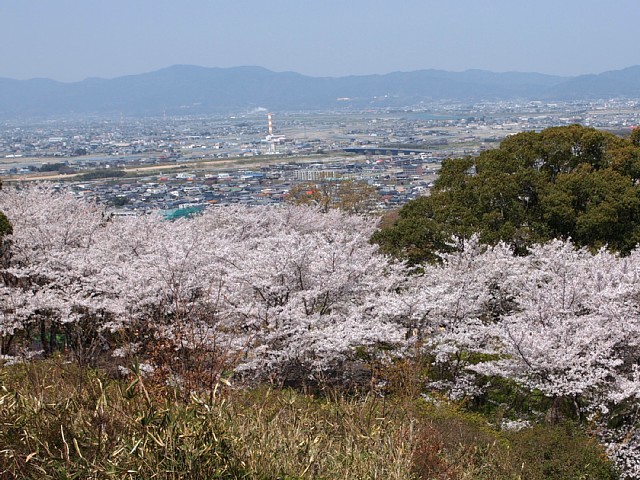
[270,124]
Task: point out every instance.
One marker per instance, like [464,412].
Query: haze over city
[70,40]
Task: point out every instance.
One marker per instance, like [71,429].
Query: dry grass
[284,433]
[62,421]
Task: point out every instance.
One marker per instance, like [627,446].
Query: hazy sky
[70,40]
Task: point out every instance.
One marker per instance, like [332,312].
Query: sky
[70,40]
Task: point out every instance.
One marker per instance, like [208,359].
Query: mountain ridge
[192,89]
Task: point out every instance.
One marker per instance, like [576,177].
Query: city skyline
[70,40]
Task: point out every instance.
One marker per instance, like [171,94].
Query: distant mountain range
[183,89]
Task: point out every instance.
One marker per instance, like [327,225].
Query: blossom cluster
[275,287]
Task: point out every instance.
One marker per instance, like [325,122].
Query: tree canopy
[564,182]
[5,225]
[345,194]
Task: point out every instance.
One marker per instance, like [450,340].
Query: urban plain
[144,164]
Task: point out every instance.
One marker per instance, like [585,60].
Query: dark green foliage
[103,173]
[52,167]
[459,444]
[559,452]
[120,201]
[564,182]
[5,225]
[635,136]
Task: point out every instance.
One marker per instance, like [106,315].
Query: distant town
[136,165]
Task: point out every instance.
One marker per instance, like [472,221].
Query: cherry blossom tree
[49,252]
[267,291]
[273,286]
[560,321]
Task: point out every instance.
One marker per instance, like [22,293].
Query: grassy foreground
[61,421]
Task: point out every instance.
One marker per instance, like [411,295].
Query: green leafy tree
[5,225]
[5,229]
[595,208]
[635,136]
[564,182]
